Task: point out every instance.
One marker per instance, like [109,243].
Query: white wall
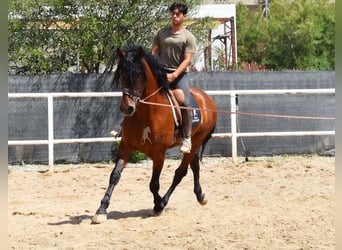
[215,11]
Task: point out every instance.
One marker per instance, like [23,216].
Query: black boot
[187,125]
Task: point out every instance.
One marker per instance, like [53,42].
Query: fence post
[233,126]
[50,132]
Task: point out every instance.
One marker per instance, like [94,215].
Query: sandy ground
[265,203]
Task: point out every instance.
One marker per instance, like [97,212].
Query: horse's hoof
[99,218]
[203,200]
[157,213]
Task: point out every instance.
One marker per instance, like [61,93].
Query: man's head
[182,8]
[178,13]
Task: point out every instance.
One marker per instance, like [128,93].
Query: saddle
[176,110]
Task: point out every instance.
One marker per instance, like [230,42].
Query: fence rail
[233,115]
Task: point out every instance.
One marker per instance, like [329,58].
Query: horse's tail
[204,143]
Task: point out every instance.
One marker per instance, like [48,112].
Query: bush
[136,157]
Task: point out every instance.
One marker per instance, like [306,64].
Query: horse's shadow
[143,213]
[115,215]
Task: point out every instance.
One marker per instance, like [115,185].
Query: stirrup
[186,146]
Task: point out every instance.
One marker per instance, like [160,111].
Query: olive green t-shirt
[172,47]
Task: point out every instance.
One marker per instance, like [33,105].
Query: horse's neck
[152,89]
[153,117]
[152,86]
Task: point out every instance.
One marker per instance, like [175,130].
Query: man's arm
[181,68]
[155,50]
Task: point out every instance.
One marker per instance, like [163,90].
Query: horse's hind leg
[180,172]
[195,166]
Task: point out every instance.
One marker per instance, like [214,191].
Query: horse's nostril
[127,109]
[130,110]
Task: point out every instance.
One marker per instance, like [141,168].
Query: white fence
[233,134]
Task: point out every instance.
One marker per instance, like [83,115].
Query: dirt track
[266,203]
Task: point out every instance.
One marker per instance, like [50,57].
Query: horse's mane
[132,66]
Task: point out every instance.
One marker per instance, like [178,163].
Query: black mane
[132,66]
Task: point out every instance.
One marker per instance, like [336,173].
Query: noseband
[135,96]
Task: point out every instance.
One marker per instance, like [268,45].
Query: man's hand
[171,77]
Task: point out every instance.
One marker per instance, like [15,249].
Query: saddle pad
[196,114]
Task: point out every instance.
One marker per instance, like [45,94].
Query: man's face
[177,17]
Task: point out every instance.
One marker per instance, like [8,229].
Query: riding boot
[187,125]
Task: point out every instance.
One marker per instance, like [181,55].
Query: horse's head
[138,72]
[132,76]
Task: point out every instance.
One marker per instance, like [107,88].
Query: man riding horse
[175,46]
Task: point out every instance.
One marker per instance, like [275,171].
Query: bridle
[135,96]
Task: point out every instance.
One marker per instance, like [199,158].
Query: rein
[241,113]
[169,96]
[149,96]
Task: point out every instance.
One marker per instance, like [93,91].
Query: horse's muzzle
[128,105]
[128,111]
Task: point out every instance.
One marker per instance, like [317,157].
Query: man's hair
[180,6]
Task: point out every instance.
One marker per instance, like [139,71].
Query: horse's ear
[140,52]
[120,53]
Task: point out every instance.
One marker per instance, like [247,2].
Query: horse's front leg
[158,163]
[101,213]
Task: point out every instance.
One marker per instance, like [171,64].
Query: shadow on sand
[75,220]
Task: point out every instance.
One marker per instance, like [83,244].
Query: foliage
[296,35]
[136,157]
[47,36]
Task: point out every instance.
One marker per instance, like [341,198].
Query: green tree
[50,36]
[296,35]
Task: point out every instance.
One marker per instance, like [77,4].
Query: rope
[155,92]
[240,113]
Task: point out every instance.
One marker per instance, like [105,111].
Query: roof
[246,2]
[215,10]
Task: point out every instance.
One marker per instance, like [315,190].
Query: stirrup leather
[176,112]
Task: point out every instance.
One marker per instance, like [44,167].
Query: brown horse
[151,128]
